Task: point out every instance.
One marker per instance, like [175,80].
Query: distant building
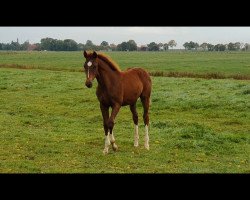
[143,48]
[32,47]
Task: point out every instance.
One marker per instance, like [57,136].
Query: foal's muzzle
[88,84]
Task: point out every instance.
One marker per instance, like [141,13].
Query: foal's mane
[114,66]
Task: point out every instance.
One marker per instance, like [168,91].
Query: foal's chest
[103,97]
[107,98]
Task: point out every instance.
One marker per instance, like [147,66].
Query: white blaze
[89,64]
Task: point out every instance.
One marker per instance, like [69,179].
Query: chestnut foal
[118,88]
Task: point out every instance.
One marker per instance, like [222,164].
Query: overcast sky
[116,35]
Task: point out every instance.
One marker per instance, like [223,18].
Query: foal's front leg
[111,122]
[105,115]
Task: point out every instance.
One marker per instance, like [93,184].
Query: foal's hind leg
[135,119]
[145,103]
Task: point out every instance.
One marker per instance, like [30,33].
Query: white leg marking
[136,136]
[146,138]
[107,143]
[112,140]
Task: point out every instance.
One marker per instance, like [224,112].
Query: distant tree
[204,46]
[113,46]
[186,45]
[7,46]
[104,43]
[220,47]
[231,46]
[191,45]
[89,43]
[210,47]
[15,46]
[247,47]
[80,46]
[172,43]
[196,45]
[103,46]
[47,43]
[161,46]
[124,46]
[166,46]
[25,45]
[237,45]
[132,46]
[119,47]
[242,45]
[59,45]
[153,47]
[69,45]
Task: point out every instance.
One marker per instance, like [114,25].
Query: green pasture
[226,63]
[51,123]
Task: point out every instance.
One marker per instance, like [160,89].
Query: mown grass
[185,64]
[51,123]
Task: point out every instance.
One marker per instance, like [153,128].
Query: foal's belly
[127,98]
[132,89]
[130,97]
[129,102]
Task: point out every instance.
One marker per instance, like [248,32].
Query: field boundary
[152,73]
[200,75]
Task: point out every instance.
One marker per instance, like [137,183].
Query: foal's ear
[94,54]
[85,54]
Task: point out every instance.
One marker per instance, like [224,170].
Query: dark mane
[109,61]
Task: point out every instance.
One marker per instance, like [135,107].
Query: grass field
[222,63]
[51,123]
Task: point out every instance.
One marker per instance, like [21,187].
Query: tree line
[50,44]
[218,47]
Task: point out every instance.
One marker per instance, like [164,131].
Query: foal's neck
[106,76]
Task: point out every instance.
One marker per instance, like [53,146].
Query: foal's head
[90,67]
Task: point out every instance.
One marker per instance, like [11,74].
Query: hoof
[115,147]
[136,144]
[105,151]
[147,146]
